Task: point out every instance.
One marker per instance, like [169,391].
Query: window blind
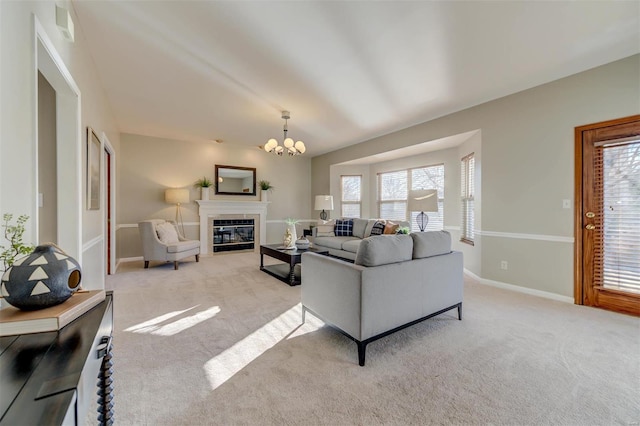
[351,195]
[393,192]
[617,233]
[467,190]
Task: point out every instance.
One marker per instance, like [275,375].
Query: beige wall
[148,165]
[18,143]
[527,168]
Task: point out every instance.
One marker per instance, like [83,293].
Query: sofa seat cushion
[181,246]
[430,243]
[351,245]
[384,249]
[333,242]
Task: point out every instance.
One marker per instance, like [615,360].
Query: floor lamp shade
[423,200]
[176,196]
[323,202]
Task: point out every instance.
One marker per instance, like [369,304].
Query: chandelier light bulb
[292,148]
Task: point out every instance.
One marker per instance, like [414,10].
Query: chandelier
[290,147]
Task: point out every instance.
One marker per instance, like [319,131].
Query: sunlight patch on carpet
[152,327]
[222,367]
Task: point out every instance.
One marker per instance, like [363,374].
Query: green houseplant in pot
[265,188]
[204,184]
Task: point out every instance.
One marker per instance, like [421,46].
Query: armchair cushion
[180,246]
[167,233]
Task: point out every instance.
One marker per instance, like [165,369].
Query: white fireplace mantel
[210,209]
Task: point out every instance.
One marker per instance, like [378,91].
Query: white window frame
[410,186]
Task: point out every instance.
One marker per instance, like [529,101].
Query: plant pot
[204,193]
[264,195]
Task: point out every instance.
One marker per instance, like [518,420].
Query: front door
[608,215]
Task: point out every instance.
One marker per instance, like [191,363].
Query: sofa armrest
[331,288]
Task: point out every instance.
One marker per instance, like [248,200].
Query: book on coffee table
[15,321]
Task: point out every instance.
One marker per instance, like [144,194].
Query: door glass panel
[620,259]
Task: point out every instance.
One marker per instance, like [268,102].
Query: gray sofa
[346,246]
[396,281]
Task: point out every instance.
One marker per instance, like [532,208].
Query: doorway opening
[68,188]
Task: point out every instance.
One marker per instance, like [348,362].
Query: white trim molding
[538,237]
[520,289]
[135,225]
[92,242]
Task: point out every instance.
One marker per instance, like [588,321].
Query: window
[393,191]
[467,190]
[351,195]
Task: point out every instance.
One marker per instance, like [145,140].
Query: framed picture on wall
[93,170]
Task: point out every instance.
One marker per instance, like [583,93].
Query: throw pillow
[326,229]
[167,233]
[344,228]
[378,228]
[390,228]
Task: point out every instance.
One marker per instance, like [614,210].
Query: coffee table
[288,272]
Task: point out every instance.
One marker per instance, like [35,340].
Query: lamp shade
[324,202]
[423,200]
[176,195]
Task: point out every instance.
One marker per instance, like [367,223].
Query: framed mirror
[234,180]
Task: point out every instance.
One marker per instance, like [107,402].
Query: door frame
[48,61]
[579,292]
[110,206]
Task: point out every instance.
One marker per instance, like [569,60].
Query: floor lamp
[423,200]
[177,196]
[324,202]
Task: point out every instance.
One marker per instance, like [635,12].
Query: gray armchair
[154,249]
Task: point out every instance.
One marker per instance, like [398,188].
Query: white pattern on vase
[291,231]
[264,195]
[204,193]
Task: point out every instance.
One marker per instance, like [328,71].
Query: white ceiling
[348,71]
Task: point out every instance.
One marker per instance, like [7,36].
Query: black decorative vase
[44,278]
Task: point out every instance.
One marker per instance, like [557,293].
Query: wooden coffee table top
[287,255]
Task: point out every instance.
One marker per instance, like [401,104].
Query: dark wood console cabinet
[60,378]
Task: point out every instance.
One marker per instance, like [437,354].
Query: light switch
[566,204]
[40,199]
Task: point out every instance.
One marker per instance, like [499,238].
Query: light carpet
[220,342]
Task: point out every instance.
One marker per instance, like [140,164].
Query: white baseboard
[520,289]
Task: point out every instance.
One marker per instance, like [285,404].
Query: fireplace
[211,210]
[233,234]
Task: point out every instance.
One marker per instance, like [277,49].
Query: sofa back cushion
[359,226]
[383,249]
[430,243]
[326,229]
[344,228]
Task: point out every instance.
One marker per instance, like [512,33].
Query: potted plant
[204,184]
[13,234]
[265,188]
